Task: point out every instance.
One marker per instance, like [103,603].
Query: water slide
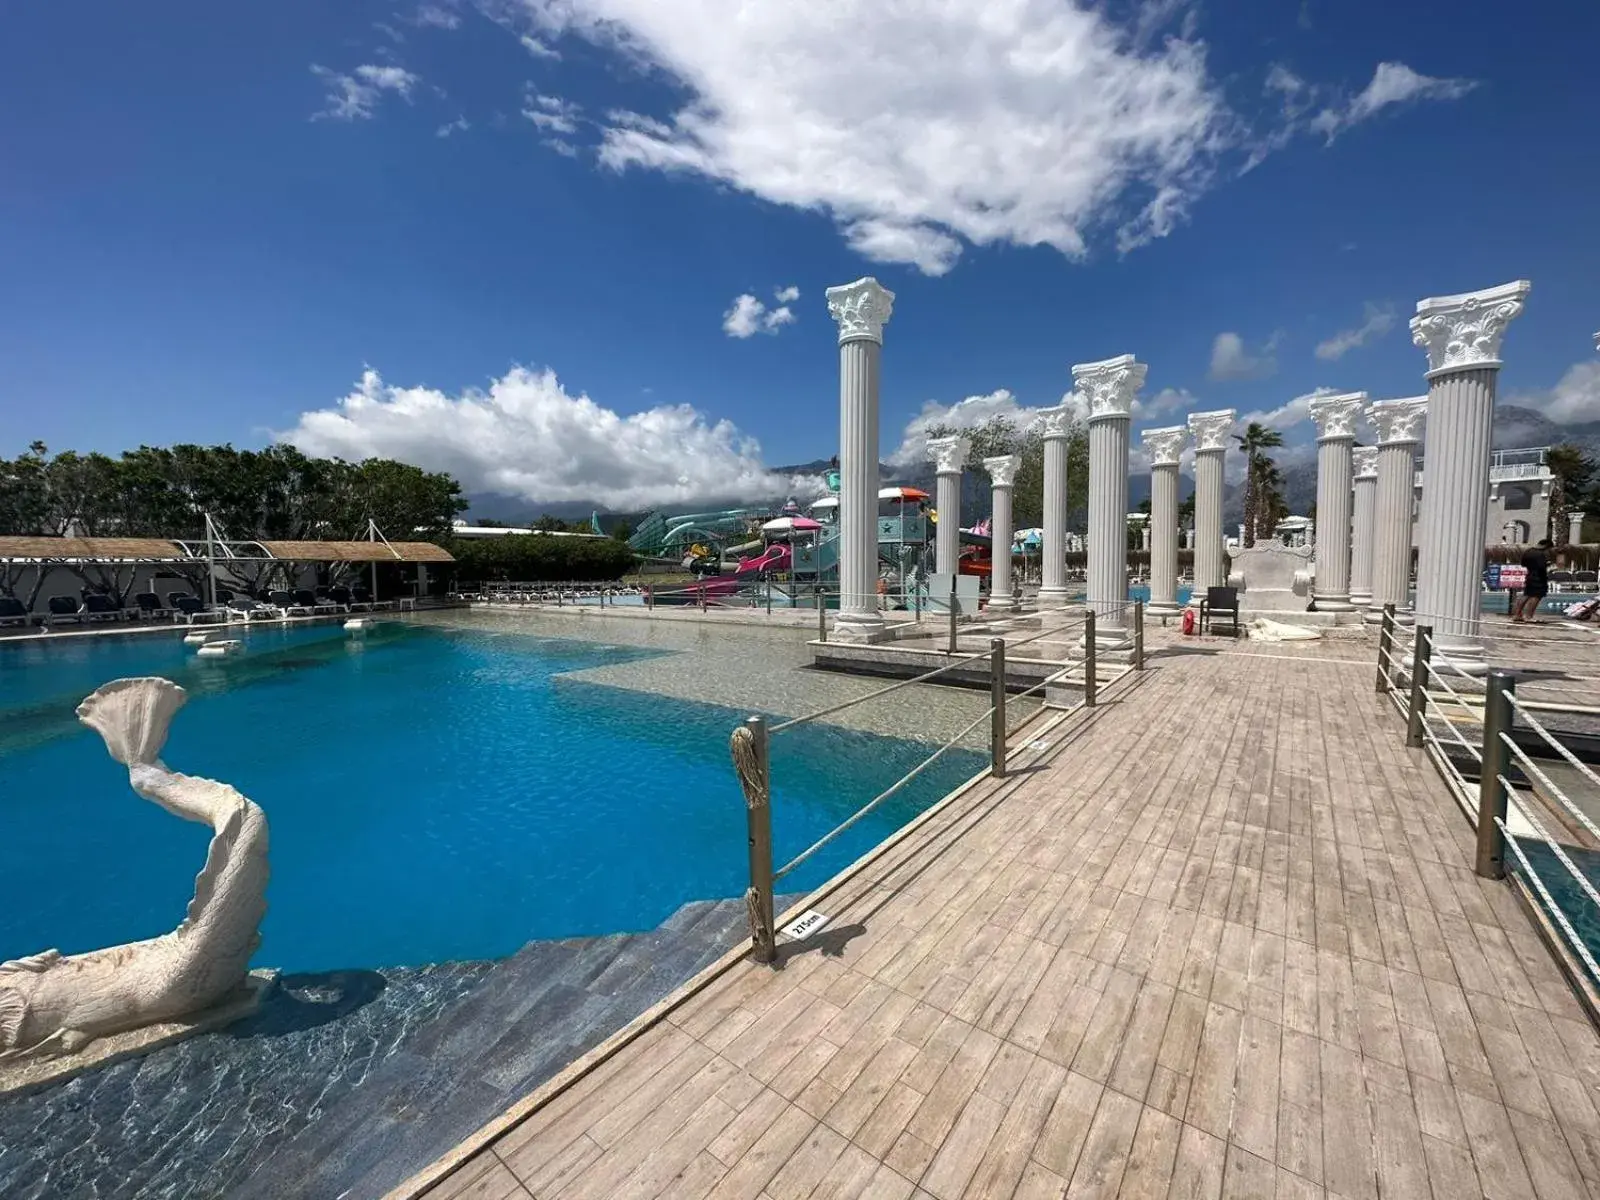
[776,558]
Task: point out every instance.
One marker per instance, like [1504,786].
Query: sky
[576,250]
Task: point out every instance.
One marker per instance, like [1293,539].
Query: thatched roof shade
[424,552]
[93,549]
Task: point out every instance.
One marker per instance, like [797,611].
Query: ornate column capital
[1336,415]
[1464,332]
[1398,422]
[949,454]
[1108,387]
[1056,421]
[1210,429]
[1165,445]
[1365,459]
[1003,469]
[860,309]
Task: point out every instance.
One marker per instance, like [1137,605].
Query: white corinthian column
[1210,431]
[1575,528]
[1164,446]
[1462,336]
[949,456]
[1053,567]
[1336,435]
[1108,389]
[1361,530]
[1003,474]
[861,309]
[1399,426]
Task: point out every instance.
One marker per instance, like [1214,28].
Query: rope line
[1558,794]
[878,799]
[1454,732]
[1537,727]
[1538,827]
[1549,902]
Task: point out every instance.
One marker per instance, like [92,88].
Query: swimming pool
[433,793]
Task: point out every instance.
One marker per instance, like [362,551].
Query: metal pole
[997,698]
[211,559]
[1385,647]
[758,813]
[769,597]
[1496,762]
[822,618]
[1138,635]
[952,614]
[1089,686]
[1422,651]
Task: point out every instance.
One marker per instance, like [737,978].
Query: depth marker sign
[804,925]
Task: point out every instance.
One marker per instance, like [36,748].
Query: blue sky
[214,219]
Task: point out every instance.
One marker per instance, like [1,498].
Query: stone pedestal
[1361,530]
[1188,538]
[1164,447]
[1575,528]
[1108,389]
[1273,577]
[1053,556]
[861,309]
[949,457]
[1399,427]
[1003,474]
[1335,417]
[1462,336]
[1210,430]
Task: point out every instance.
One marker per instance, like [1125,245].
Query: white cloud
[354,97]
[1045,123]
[1378,320]
[1168,401]
[528,436]
[1392,83]
[748,316]
[538,48]
[1230,359]
[438,16]
[551,113]
[459,125]
[1575,397]
[1286,415]
[963,414]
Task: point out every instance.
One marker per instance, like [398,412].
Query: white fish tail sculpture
[51,1003]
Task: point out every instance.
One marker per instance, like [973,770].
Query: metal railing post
[997,698]
[952,614]
[758,814]
[1089,685]
[1422,651]
[769,597]
[822,618]
[650,597]
[1496,762]
[1385,647]
[1138,635]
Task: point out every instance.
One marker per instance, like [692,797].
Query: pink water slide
[775,558]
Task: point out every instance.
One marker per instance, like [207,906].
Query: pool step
[534,1013]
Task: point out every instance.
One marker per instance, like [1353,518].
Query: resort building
[1519,496]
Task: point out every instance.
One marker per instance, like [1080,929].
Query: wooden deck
[1226,941]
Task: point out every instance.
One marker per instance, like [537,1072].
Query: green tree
[1256,440]
[1003,435]
[1572,488]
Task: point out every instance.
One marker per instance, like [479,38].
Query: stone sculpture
[55,1004]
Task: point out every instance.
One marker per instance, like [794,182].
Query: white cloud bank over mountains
[1041,124]
[527,436]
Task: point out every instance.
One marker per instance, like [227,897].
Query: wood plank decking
[1226,941]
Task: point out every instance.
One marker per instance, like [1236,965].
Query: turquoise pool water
[433,794]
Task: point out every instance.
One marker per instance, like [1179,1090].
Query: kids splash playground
[793,553]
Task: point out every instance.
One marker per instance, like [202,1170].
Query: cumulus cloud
[1392,83]
[1286,415]
[963,414]
[459,125]
[552,114]
[1046,121]
[539,48]
[355,97]
[1230,359]
[438,16]
[1378,320]
[748,316]
[1168,402]
[527,436]
[1575,397]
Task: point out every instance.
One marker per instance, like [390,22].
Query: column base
[1051,597]
[1110,640]
[1360,599]
[1004,603]
[1465,657]
[859,628]
[1334,603]
[1162,608]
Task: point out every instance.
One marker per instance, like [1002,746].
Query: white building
[1519,496]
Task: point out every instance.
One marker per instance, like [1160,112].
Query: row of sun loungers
[182,606]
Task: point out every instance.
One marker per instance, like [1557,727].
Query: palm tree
[1255,441]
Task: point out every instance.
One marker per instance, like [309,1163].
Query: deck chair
[1223,602]
[149,605]
[101,608]
[341,597]
[286,604]
[250,610]
[64,610]
[307,599]
[14,612]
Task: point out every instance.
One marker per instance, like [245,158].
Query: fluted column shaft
[1053,567]
[1361,532]
[1575,528]
[1164,538]
[858,485]
[1334,501]
[1391,549]
[947,538]
[1108,523]
[1207,520]
[1000,594]
[1455,504]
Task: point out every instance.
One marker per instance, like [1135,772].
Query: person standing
[1537,586]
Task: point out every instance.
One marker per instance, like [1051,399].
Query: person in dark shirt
[1537,586]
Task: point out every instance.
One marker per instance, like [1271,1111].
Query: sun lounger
[250,610]
[150,606]
[193,610]
[64,610]
[307,599]
[286,604]
[341,597]
[14,612]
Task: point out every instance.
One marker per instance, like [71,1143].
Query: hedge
[536,557]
